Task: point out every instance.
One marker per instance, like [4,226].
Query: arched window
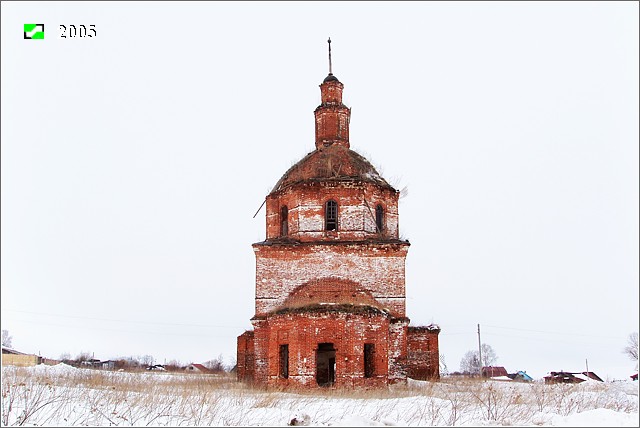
[284,221]
[379,218]
[331,215]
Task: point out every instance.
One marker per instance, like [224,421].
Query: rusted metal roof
[334,163]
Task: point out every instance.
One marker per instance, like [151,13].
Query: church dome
[335,163]
[330,78]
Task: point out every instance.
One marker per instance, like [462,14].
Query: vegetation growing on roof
[332,308]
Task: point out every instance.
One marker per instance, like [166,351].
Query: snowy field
[65,396]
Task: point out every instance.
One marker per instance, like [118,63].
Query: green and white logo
[34,31]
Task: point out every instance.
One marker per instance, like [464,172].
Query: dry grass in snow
[65,396]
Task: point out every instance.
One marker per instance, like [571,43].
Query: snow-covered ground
[65,396]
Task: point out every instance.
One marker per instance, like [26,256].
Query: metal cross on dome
[329,41]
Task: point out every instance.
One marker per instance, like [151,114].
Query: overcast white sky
[133,163]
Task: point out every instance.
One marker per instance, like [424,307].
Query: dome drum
[364,211]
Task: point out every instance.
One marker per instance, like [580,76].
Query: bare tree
[471,363]
[444,370]
[489,356]
[173,365]
[83,356]
[6,338]
[215,365]
[130,362]
[146,360]
[631,349]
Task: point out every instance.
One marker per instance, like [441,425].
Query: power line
[125,321]
[553,332]
[539,339]
[163,333]
[444,333]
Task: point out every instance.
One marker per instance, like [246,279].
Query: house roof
[592,375]
[200,367]
[520,375]
[6,350]
[575,377]
[494,371]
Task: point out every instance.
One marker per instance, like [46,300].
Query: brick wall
[347,328]
[246,357]
[423,359]
[398,349]
[377,267]
[356,211]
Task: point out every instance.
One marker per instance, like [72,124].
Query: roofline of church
[288,242]
[330,308]
[392,319]
[315,308]
[375,178]
[343,179]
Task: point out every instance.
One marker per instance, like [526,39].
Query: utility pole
[480,350]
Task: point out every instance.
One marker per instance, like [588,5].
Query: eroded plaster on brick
[344,287]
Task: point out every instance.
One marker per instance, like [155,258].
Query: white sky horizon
[132,164]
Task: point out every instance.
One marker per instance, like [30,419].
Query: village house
[197,368]
[494,371]
[570,377]
[11,357]
[521,376]
[330,275]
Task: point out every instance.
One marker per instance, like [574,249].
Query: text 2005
[71,31]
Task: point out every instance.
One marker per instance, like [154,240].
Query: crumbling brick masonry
[330,275]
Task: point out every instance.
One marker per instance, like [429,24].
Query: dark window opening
[325,364]
[284,361]
[379,218]
[284,221]
[369,366]
[331,215]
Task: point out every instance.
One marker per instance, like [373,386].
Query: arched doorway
[325,364]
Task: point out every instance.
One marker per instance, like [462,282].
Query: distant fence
[21,360]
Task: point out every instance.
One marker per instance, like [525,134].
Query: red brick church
[330,275]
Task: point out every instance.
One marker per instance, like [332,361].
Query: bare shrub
[89,397]
[6,338]
[216,365]
[631,349]
[26,401]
